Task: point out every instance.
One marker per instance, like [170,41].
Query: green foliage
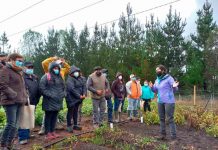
[162,147]
[87,107]
[212,130]
[2,118]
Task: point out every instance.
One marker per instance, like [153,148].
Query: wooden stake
[194,95]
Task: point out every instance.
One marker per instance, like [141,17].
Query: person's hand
[99,92]
[176,84]
[150,84]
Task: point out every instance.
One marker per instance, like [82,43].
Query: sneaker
[59,126]
[55,135]
[70,129]
[41,132]
[22,142]
[77,128]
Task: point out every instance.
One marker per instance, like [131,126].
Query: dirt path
[187,139]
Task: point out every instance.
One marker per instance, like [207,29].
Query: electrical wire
[54,19]
[14,15]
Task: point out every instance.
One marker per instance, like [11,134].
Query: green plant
[37,147]
[162,147]
[212,130]
[146,141]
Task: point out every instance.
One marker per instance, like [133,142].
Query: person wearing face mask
[13,97]
[165,86]
[65,68]
[133,89]
[32,86]
[75,95]
[98,85]
[147,95]
[119,90]
[53,92]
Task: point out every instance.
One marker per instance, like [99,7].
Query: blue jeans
[164,110]
[132,104]
[117,103]
[12,115]
[109,109]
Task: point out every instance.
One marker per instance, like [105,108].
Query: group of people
[18,84]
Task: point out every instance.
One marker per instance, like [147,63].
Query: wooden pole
[194,95]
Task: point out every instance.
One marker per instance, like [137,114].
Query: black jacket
[32,85]
[76,87]
[52,89]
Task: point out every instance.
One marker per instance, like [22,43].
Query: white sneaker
[23,142]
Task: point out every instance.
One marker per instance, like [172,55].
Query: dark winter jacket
[75,88]
[32,85]
[118,88]
[53,90]
[12,86]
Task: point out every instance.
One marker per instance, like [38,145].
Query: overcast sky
[104,11]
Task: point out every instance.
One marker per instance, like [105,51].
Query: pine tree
[174,46]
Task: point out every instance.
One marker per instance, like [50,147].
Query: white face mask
[76,74]
[120,77]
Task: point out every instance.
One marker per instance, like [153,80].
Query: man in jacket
[13,96]
[97,84]
[75,95]
[32,86]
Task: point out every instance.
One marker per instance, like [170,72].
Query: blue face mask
[29,71]
[18,63]
[56,71]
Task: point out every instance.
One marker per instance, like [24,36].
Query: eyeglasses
[29,67]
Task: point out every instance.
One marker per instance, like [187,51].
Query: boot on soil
[120,117]
[23,142]
[42,131]
[70,129]
[76,127]
[49,137]
[162,137]
[116,119]
[129,113]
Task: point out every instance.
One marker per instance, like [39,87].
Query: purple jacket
[165,90]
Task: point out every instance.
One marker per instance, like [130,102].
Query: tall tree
[174,45]
[4,43]
[30,41]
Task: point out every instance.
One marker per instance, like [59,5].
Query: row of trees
[131,47]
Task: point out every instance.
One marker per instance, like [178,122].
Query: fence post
[194,95]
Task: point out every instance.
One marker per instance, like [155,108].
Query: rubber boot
[116,119]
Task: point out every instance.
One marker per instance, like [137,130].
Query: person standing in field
[52,87]
[75,95]
[165,86]
[147,96]
[133,89]
[98,85]
[13,97]
[32,86]
[108,98]
[119,90]
[65,68]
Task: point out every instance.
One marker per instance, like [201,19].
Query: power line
[156,7]
[90,5]
[14,15]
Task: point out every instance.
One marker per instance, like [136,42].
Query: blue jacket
[147,93]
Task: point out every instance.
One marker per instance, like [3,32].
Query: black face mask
[3,62]
[159,74]
[98,73]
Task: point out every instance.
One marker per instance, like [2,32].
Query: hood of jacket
[118,74]
[52,65]
[74,69]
